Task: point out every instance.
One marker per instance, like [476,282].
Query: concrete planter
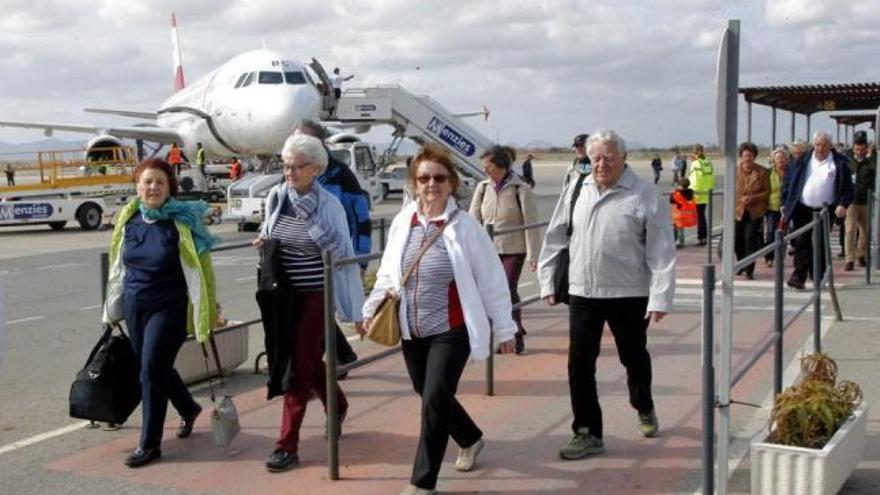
[785,470]
[232,345]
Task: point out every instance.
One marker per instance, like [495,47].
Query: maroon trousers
[513,265]
[308,368]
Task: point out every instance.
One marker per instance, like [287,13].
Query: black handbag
[563,259]
[108,387]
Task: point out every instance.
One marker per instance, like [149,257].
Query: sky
[546,69]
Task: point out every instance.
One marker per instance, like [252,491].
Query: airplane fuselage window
[294,78]
[271,78]
[248,80]
[240,80]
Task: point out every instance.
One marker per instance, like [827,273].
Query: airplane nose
[284,108]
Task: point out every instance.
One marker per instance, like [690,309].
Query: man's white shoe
[467,457]
[414,490]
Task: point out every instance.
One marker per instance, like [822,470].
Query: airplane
[247,106]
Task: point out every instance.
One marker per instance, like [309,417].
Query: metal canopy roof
[816,98]
[855,118]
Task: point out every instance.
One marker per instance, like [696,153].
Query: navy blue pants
[157,333]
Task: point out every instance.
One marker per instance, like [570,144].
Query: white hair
[820,134]
[607,136]
[309,147]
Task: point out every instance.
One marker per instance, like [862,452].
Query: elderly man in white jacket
[622,272]
[456,295]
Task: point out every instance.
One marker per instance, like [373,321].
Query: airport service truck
[246,197]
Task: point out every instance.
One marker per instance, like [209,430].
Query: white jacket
[479,278]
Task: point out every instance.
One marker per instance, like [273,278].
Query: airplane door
[328,98]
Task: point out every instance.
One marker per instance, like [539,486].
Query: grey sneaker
[414,490]
[581,445]
[467,457]
[649,426]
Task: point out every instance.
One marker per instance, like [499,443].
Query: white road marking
[86,308]
[245,279]
[58,266]
[23,320]
[41,437]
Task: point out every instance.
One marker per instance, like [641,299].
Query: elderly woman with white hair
[302,221]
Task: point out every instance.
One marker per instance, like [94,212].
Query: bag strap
[216,354]
[433,238]
[574,198]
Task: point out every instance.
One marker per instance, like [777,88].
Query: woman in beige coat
[505,200]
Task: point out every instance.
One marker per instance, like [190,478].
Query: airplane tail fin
[179,82]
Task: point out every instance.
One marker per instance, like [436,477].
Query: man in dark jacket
[864,166]
[339,180]
[819,179]
[528,174]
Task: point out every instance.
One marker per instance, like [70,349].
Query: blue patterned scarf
[189,213]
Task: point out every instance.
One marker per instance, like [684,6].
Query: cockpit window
[240,80]
[271,78]
[294,77]
[248,80]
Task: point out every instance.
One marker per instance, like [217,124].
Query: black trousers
[747,238]
[626,318]
[771,223]
[702,227]
[803,245]
[435,365]
[157,334]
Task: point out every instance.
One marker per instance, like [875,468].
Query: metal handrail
[748,260]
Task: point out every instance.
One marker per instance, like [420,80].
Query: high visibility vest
[235,171]
[174,156]
[684,214]
[200,156]
[702,179]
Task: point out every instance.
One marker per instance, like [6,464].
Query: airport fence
[819,229]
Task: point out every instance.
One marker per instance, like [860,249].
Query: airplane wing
[124,113]
[147,133]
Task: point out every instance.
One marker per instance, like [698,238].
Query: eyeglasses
[296,168]
[439,179]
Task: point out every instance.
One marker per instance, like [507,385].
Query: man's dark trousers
[702,227]
[626,318]
[803,245]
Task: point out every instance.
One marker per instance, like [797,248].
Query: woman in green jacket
[162,283]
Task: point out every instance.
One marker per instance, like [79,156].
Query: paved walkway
[525,423]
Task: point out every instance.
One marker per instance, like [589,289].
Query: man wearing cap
[864,166]
[819,179]
[581,163]
[702,179]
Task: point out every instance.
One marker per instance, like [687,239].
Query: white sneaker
[414,490]
[467,457]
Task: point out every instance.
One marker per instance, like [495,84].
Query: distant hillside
[12,152]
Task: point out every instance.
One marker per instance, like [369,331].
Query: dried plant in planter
[808,414]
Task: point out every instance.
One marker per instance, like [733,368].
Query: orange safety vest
[235,171]
[684,214]
[174,157]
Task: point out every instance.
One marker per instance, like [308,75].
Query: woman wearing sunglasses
[456,288]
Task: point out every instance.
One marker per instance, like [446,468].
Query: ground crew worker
[235,170]
[175,158]
[581,163]
[684,211]
[10,175]
[200,159]
[702,179]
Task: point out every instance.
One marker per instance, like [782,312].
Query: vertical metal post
[793,121]
[490,361]
[709,223]
[837,133]
[778,308]
[809,127]
[708,379]
[748,121]
[728,93]
[330,361]
[870,235]
[773,129]
[829,272]
[817,281]
[382,233]
[104,261]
